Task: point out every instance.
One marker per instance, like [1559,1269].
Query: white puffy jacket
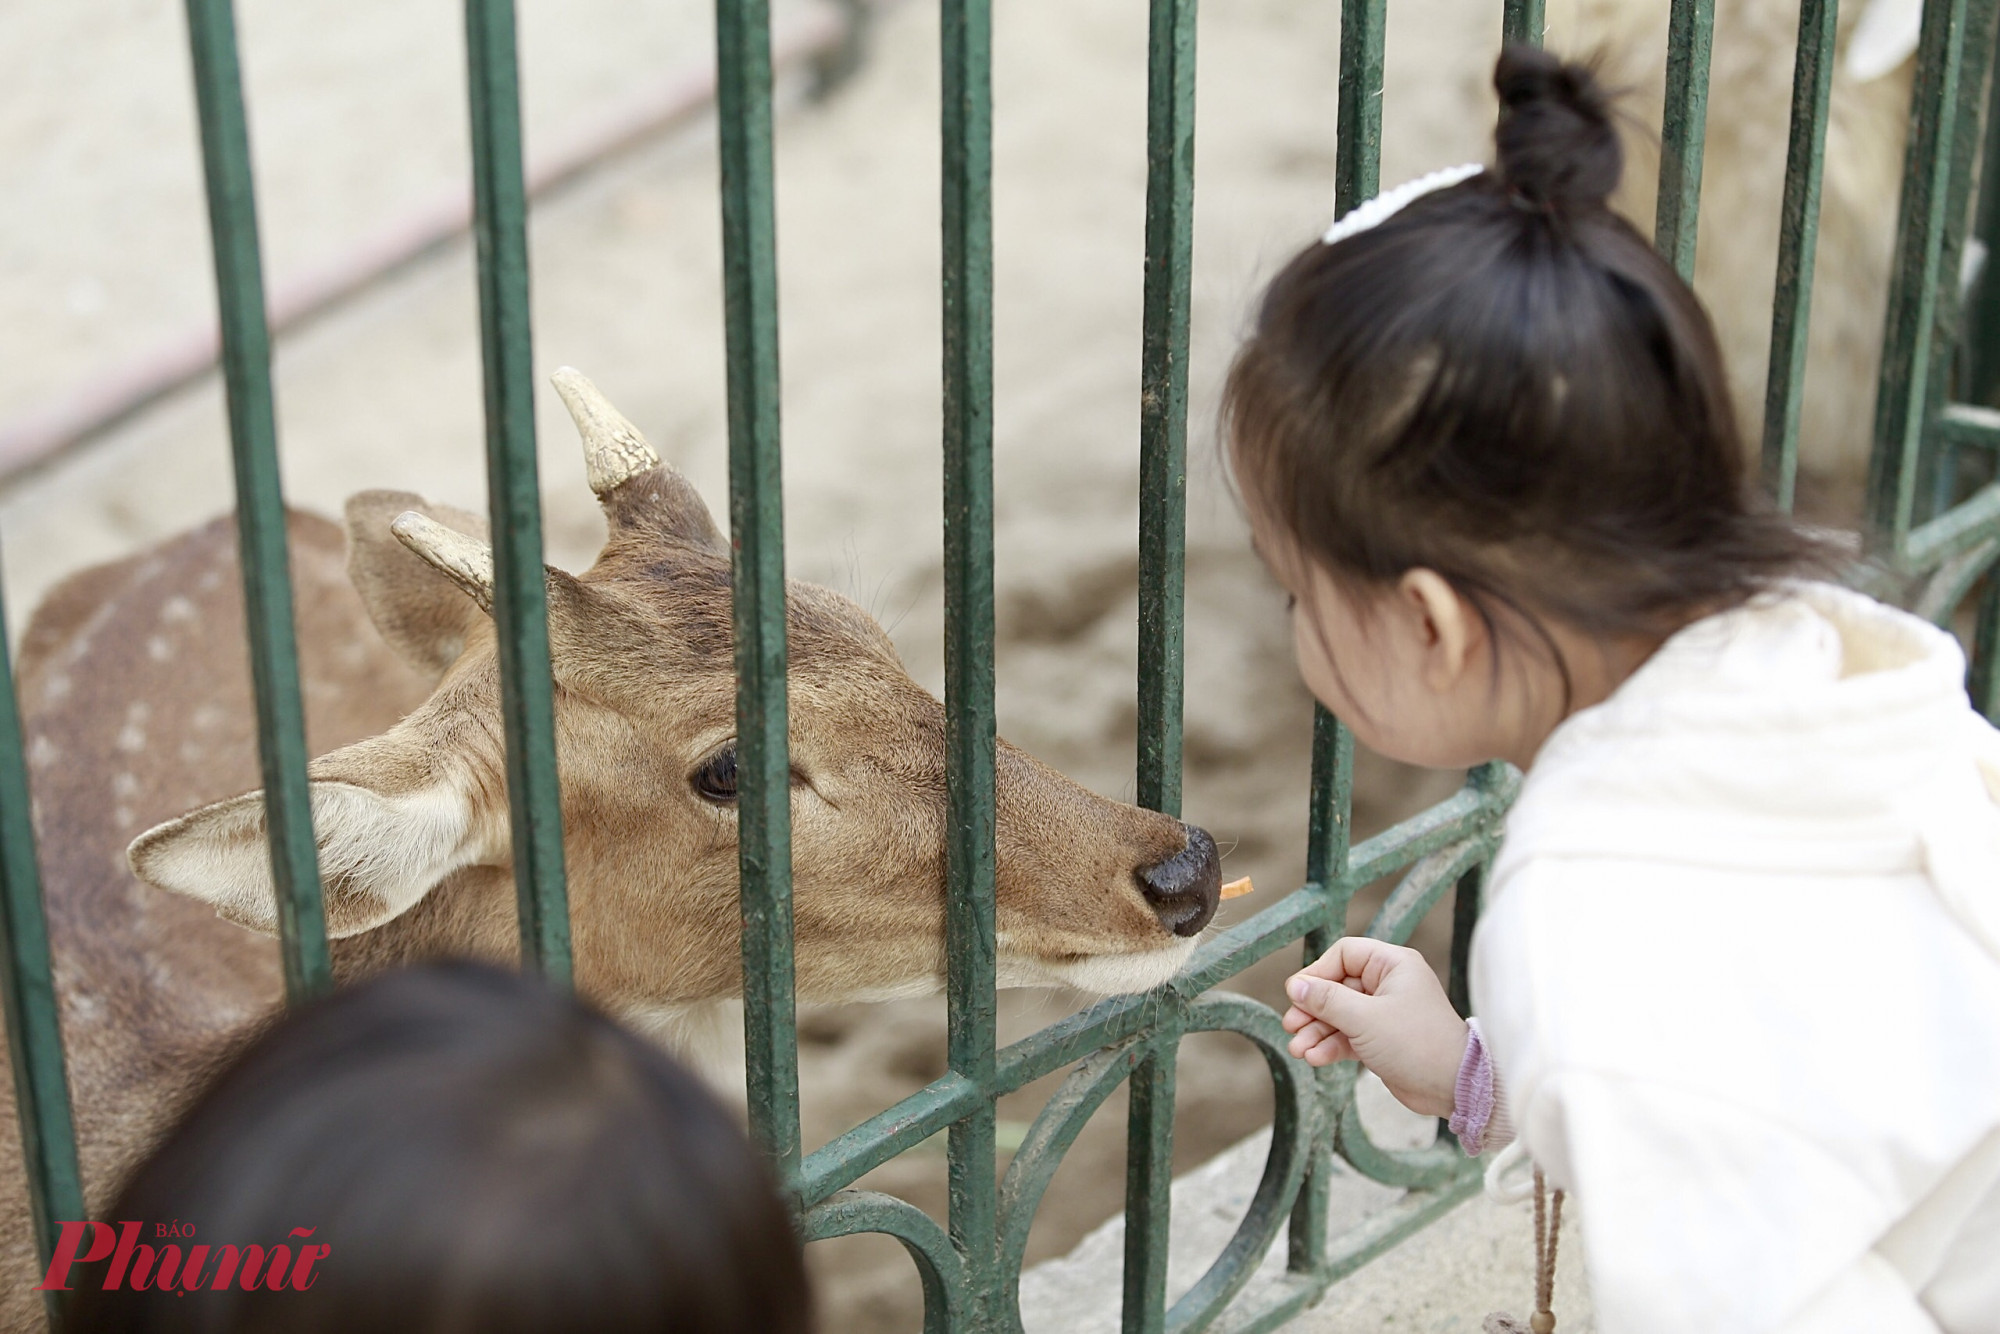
[1740,974]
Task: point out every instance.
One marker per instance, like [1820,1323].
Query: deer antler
[466,561]
[613,450]
[647,504]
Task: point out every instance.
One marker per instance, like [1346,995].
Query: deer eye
[716,779]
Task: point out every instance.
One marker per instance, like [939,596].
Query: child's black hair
[479,1153]
[1506,384]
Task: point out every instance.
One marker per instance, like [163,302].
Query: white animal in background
[1749,114]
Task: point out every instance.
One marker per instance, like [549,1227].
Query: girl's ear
[1449,629]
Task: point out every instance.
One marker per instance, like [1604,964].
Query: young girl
[1739,968]
[464,1150]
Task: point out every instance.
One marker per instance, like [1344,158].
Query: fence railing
[1934,528]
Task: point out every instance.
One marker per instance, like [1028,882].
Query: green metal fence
[1934,530]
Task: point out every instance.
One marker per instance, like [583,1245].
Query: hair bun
[1555,143]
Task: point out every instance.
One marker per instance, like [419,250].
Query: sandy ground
[358,111]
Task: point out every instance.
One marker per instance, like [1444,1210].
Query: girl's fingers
[1295,1019]
[1337,1005]
[1309,1037]
[1334,1048]
[1350,957]
[1329,965]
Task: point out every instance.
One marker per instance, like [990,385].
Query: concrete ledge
[1477,1259]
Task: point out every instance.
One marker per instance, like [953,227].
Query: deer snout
[1183,889]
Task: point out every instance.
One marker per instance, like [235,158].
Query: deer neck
[470,914]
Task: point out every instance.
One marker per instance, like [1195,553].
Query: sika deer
[137,703]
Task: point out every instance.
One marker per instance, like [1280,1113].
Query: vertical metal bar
[1523,21]
[1464,917]
[1358,147]
[1684,129]
[1938,468]
[28,992]
[1458,982]
[1984,682]
[1329,834]
[967,140]
[1149,1181]
[1902,403]
[1329,821]
[757,529]
[1163,401]
[1940,472]
[1310,1229]
[260,506]
[1982,333]
[1798,240]
[1170,82]
[520,593]
[1357,177]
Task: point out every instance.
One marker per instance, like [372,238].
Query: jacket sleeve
[1705,1215]
[1867,1297]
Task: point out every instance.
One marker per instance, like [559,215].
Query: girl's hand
[1380,1004]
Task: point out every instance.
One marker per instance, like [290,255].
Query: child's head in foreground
[1487,445]
[480,1154]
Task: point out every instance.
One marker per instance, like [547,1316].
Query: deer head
[412,825]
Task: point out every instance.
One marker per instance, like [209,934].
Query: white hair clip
[1381,208]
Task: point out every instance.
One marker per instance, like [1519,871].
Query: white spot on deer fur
[42,752]
[123,815]
[132,736]
[209,581]
[56,688]
[125,787]
[208,717]
[176,608]
[158,648]
[74,651]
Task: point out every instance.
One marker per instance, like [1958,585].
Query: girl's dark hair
[1506,384]
[479,1153]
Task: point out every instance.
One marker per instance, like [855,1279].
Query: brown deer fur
[135,687]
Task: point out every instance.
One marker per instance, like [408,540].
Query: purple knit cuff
[1473,1100]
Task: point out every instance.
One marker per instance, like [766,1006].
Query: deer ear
[421,614]
[378,853]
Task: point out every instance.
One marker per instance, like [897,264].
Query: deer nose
[1182,889]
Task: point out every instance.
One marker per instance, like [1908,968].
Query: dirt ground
[358,111]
